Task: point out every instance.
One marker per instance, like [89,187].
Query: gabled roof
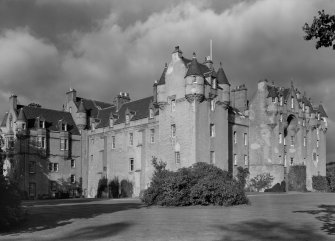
[195,68]
[81,108]
[104,116]
[221,76]
[51,117]
[322,111]
[162,78]
[21,116]
[92,106]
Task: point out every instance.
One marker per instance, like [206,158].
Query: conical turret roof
[21,116]
[322,111]
[81,108]
[162,79]
[221,76]
[194,68]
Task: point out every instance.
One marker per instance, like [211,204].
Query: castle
[194,115]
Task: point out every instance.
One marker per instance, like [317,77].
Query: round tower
[194,80]
[81,116]
[224,84]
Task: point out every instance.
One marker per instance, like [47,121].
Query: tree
[322,29]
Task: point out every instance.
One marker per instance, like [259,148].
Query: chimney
[240,100]
[13,102]
[71,95]
[208,62]
[121,99]
[176,54]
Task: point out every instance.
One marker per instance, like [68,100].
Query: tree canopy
[322,29]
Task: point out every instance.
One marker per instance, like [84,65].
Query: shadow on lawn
[326,214]
[46,217]
[264,230]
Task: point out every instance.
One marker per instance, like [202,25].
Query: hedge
[319,183]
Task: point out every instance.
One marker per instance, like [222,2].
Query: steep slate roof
[273,91]
[162,78]
[92,106]
[4,120]
[195,68]
[51,117]
[21,116]
[221,76]
[322,111]
[104,116]
[81,108]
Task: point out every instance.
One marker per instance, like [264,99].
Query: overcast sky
[103,47]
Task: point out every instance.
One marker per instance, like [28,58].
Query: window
[245,160]
[194,80]
[214,83]
[212,130]
[284,141]
[64,144]
[281,100]
[291,163]
[212,105]
[127,119]
[303,107]
[281,118]
[177,156]
[303,122]
[304,141]
[32,167]
[285,159]
[73,178]
[73,163]
[42,124]
[51,167]
[245,137]
[274,99]
[318,116]
[113,142]
[317,143]
[292,140]
[42,142]
[131,139]
[212,157]
[235,138]
[32,189]
[173,105]
[292,103]
[235,159]
[55,167]
[111,122]
[151,113]
[318,134]
[280,138]
[131,164]
[64,127]
[173,130]
[314,156]
[317,158]
[152,135]
[23,126]
[10,142]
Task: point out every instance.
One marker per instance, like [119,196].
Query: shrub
[114,186]
[319,183]
[200,184]
[242,174]
[331,178]
[126,188]
[10,205]
[277,188]
[261,181]
[297,178]
[102,187]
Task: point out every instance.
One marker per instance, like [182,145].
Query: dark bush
[126,188]
[201,184]
[242,174]
[102,187]
[331,178]
[114,187]
[261,181]
[319,183]
[297,178]
[11,213]
[277,188]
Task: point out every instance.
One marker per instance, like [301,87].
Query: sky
[103,47]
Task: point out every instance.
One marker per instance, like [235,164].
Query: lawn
[293,216]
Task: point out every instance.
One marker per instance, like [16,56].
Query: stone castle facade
[194,115]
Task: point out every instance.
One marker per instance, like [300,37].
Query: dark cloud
[123,45]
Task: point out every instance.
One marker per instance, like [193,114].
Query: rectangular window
[64,127]
[152,135]
[127,119]
[245,160]
[23,126]
[55,167]
[131,139]
[111,122]
[212,105]
[173,130]
[303,122]
[131,164]
[317,134]
[42,124]
[284,141]
[73,163]
[212,130]
[285,160]
[281,100]
[235,159]
[212,157]
[280,138]
[318,116]
[292,103]
[64,144]
[245,137]
[281,118]
[41,142]
[317,143]
[73,178]
[151,113]
[291,163]
[235,138]
[304,141]
[113,142]
[177,157]
[51,167]
[32,167]
[173,105]
[292,140]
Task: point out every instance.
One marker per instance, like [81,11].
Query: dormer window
[194,80]
[64,127]
[111,122]
[42,124]
[127,118]
[151,113]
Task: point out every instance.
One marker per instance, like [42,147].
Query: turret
[160,86]
[224,84]
[194,80]
[81,116]
[21,122]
